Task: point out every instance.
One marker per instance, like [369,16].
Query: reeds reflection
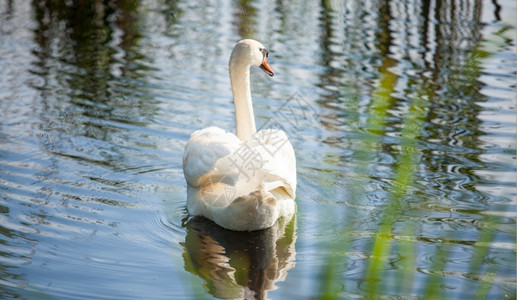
[239,264]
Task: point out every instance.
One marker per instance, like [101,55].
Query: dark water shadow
[243,265]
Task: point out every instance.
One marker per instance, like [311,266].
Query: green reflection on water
[409,157]
[389,238]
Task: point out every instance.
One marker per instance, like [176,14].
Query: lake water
[401,114]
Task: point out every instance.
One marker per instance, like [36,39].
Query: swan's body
[246,181]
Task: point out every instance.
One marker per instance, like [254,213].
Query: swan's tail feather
[257,210]
[243,207]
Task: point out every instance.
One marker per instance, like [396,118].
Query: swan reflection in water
[235,264]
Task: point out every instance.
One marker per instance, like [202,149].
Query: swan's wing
[279,158]
[204,148]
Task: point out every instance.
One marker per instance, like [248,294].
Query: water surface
[401,113]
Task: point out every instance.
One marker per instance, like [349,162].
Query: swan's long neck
[244,118]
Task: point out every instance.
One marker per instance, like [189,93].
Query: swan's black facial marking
[264,51]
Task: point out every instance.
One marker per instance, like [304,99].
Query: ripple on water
[96,112]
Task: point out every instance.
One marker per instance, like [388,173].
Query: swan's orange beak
[266,68]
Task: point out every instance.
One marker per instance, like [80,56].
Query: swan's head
[250,53]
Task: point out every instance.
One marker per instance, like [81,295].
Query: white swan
[244,182]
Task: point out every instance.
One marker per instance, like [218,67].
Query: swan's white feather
[204,148]
[240,185]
